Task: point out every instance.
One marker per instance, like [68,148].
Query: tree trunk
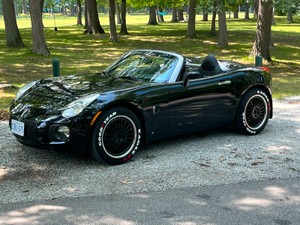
[236,14]
[42,9]
[152,15]
[72,8]
[160,17]
[256,8]
[13,37]
[205,13]
[42,5]
[38,38]
[191,29]
[86,17]
[117,7]
[213,21]
[229,13]
[79,20]
[112,21]
[180,14]
[15,5]
[94,26]
[290,15]
[223,39]
[174,15]
[205,16]
[273,16]
[123,18]
[24,7]
[247,11]
[261,44]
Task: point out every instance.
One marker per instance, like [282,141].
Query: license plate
[17,127]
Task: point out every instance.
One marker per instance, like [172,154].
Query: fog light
[63,133]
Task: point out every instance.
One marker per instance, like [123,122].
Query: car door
[205,103]
[156,111]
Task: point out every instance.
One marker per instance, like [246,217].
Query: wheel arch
[133,108]
[262,87]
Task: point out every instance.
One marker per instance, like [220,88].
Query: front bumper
[38,133]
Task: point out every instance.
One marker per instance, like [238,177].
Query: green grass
[79,53]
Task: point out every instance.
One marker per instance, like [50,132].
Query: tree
[236,14]
[86,18]
[117,7]
[213,21]
[256,6]
[152,15]
[247,10]
[262,41]
[174,15]
[112,22]
[160,17]
[287,7]
[223,40]
[13,37]
[191,30]
[93,23]
[24,7]
[79,13]
[38,38]
[180,14]
[123,18]
[273,16]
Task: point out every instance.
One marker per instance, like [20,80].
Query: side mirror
[190,76]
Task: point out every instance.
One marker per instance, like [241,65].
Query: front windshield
[142,65]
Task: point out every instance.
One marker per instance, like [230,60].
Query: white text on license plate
[17,127]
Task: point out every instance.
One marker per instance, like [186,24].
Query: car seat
[210,66]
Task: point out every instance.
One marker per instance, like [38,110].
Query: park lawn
[80,54]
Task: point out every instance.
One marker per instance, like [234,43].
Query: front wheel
[253,112]
[116,136]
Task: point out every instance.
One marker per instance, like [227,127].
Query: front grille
[30,127]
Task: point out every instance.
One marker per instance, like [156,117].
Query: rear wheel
[116,136]
[253,112]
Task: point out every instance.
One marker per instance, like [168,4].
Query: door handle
[224,82]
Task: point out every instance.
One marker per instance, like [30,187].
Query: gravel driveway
[202,159]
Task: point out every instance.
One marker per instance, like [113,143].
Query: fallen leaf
[287,159]
[142,181]
[201,164]
[25,191]
[256,163]
[49,199]
[125,182]
[232,164]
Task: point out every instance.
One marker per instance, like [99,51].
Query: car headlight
[23,89]
[76,107]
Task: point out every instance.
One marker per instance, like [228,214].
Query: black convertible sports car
[144,96]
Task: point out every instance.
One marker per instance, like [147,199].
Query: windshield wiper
[104,73]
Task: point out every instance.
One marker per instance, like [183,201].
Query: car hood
[80,85]
[50,96]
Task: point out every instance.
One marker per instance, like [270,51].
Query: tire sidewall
[98,150]
[242,125]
